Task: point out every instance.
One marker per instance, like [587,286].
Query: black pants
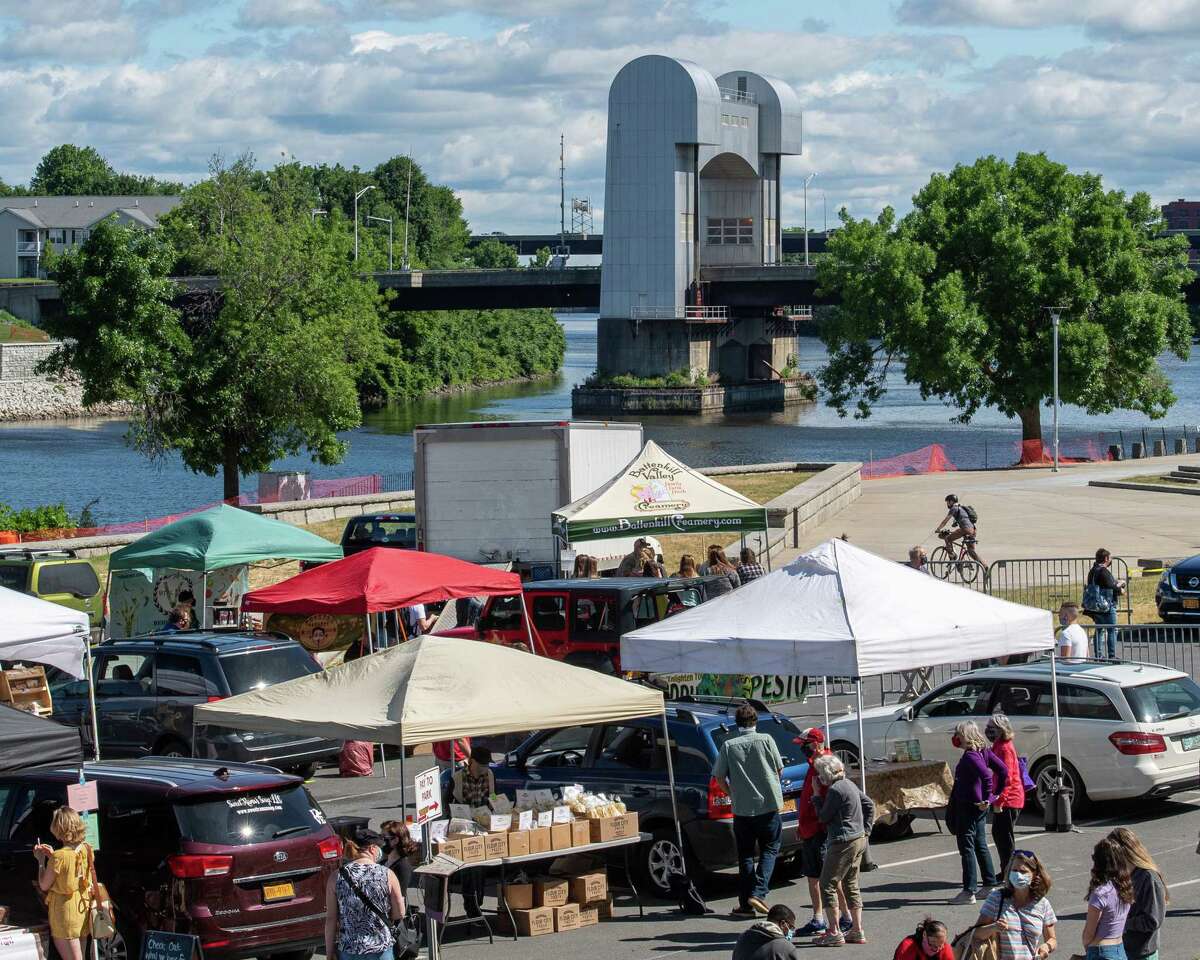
[1003,824]
[472,889]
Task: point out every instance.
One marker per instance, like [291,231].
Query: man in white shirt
[1072,638]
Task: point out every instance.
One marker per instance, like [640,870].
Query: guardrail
[730,95]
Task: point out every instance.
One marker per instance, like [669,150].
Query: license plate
[789,805]
[278,891]
[1191,603]
[1190,742]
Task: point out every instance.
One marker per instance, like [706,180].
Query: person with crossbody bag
[362,901]
[1017,919]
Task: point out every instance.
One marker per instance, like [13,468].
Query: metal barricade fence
[1048,583]
[1171,645]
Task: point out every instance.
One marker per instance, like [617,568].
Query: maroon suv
[237,854]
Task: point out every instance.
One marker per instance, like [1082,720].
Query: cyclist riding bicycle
[965,530]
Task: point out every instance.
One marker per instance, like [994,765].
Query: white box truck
[485,491]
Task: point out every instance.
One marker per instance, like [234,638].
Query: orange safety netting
[930,459]
[1083,450]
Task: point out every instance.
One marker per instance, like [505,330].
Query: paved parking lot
[917,876]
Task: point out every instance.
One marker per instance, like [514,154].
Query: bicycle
[944,563]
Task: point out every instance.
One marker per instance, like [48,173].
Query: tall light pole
[388,221]
[356,196]
[807,180]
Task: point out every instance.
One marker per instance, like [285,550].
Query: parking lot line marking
[1183,883]
[358,796]
[953,853]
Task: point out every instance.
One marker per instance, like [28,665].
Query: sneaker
[964,896]
[745,912]
[758,906]
[846,924]
[814,926]
[858,937]
[829,940]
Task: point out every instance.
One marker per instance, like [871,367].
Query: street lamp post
[388,221]
[807,181]
[356,196]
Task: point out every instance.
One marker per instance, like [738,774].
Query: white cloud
[269,14]
[1100,16]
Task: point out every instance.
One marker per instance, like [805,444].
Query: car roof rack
[723,701]
[686,716]
[1097,661]
[29,553]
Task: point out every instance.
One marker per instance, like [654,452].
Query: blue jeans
[1111,951]
[1106,639]
[973,848]
[763,835]
[382,955]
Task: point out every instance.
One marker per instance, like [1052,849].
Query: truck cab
[581,621]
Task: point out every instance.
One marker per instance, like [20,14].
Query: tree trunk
[231,470]
[1031,422]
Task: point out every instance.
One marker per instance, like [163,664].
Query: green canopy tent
[219,538]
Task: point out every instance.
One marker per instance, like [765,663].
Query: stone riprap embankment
[27,395]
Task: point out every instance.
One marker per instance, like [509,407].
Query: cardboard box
[518,896]
[566,918]
[539,840]
[560,836]
[614,828]
[518,843]
[495,845]
[588,887]
[451,847]
[495,822]
[550,892]
[588,916]
[581,833]
[604,907]
[536,922]
[473,849]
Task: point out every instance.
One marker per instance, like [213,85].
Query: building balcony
[730,95]
[29,248]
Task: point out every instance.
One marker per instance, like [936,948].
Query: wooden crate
[26,687]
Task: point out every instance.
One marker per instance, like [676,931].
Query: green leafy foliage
[494,254]
[68,170]
[53,516]
[682,377]
[541,259]
[957,292]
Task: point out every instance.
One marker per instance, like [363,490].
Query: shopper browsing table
[65,877]
[749,766]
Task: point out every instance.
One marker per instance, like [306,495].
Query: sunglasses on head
[1027,854]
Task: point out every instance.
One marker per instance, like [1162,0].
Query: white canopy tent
[47,633]
[840,611]
[653,495]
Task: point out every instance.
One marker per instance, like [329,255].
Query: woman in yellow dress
[65,876]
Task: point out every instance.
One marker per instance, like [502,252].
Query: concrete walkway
[1025,513]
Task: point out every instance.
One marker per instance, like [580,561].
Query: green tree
[68,170]
[957,293]
[493,254]
[269,365]
[541,259]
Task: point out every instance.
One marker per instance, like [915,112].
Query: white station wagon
[1128,729]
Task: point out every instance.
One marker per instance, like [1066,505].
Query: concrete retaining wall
[18,361]
[765,395]
[302,513]
[793,513]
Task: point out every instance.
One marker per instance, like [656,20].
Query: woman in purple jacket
[978,778]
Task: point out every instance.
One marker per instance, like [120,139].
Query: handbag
[966,947]
[1096,599]
[683,890]
[103,922]
[405,931]
[1026,779]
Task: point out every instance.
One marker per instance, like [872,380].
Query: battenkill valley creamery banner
[655,494]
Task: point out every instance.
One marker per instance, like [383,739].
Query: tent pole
[403,802]
[862,746]
[370,650]
[91,679]
[671,783]
[203,602]
[766,538]
[527,616]
[1054,696]
[106,611]
[825,691]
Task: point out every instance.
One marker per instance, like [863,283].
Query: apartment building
[29,225]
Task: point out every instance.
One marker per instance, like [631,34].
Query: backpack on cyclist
[972,514]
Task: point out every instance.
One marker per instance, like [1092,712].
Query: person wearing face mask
[972,794]
[768,939]
[1019,916]
[1011,800]
[361,900]
[814,837]
[1072,638]
[929,942]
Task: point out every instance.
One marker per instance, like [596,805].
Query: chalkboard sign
[160,945]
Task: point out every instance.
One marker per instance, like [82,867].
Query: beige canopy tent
[655,494]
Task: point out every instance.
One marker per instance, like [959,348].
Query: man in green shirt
[748,766]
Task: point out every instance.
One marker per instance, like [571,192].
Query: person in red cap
[812,833]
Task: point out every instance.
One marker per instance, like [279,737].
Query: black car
[395,530]
[146,688]
[237,855]
[626,758]
[1178,593]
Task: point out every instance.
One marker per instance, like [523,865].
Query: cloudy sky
[479,90]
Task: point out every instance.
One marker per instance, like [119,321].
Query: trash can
[1056,812]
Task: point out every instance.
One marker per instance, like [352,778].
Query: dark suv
[236,854]
[395,530]
[626,759]
[146,688]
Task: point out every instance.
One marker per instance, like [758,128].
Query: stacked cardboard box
[590,892]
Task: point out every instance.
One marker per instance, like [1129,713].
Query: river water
[77,461]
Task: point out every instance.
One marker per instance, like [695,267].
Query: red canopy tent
[378,580]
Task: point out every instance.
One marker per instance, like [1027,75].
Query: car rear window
[384,532]
[14,577]
[258,668]
[253,817]
[74,578]
[779,729]
[1164,700]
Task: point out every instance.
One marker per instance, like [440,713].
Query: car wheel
[657,860]
[305,772]
[846,752]
[172,747]
[898,829]
[1042,776]
[116,947]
